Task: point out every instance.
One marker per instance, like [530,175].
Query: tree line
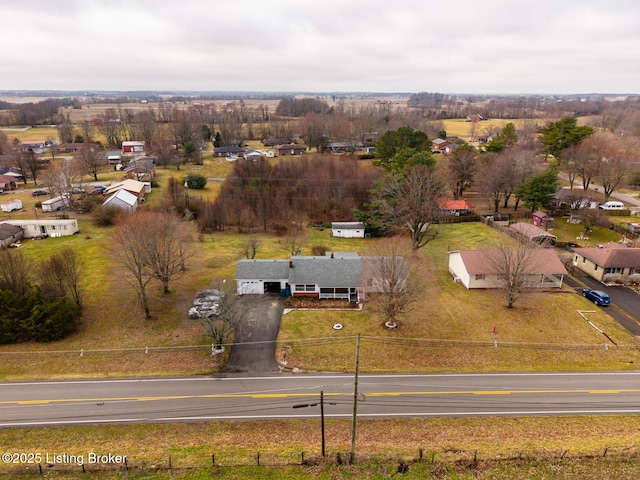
[273,196]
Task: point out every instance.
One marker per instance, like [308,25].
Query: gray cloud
[497,46]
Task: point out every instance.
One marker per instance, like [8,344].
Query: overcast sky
[453,46]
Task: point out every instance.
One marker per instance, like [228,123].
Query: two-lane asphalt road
[212,399]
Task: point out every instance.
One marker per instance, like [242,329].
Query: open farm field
[25,134]
[460,127]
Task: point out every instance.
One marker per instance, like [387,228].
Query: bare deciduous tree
[295,239]
[91,159]
[29,164]
[61,275]
[165,152]
[512,267]
[230,312]
[112,127]
[250,247]
[461,170]
[388,274]
[131,255]
[411,201]
[15,272]
[151,246]
[167,247]
[62,175]
[493,175]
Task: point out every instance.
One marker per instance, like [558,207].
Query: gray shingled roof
[8,230]
[326,271]
[343,270]
[348,225]
[262,269]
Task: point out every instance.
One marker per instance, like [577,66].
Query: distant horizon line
[87,92]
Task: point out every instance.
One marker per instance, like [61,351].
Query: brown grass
[450,440]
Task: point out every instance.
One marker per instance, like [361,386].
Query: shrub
[320,250]
[30,317]
[195,181]
[55,320]
[105,217]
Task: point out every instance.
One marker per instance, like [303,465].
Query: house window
[613,270]
[479,276]
[305,288]
[634,270]
[596,269]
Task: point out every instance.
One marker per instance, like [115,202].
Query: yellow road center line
[306,395]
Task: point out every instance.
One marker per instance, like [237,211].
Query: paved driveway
[254,352]
[625,303]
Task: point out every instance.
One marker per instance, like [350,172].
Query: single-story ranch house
[336,275]
[290,149]
[475,268]
[610,264]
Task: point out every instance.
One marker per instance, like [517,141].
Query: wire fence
[215,349]
[401,461]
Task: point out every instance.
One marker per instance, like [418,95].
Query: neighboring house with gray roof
[122,200]
[337,275]
[141,169]
[228,151]
[613,263]
[10,234]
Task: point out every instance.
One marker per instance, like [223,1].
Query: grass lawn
[451,328]
[570,232]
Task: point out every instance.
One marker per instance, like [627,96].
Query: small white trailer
[53,204]
[11,206]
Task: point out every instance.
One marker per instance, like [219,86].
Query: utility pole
[304,405]
[322,421]
[352,457]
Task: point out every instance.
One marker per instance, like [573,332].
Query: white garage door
[249,287]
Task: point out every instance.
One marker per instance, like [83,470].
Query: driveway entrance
[254,352]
